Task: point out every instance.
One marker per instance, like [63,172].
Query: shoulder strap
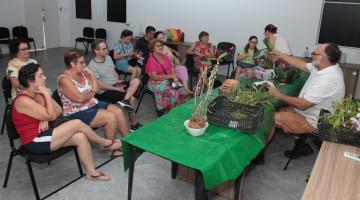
[160,65]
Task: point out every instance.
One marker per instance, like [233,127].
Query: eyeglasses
[317,54]
[24,49]
[81,62]
[104,49]
[159,45]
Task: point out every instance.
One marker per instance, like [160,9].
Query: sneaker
[126,105]
[135,127]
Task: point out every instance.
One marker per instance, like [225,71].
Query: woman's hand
[42,90]
[43,126]
[88,71]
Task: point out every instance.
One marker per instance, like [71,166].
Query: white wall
[229,20]
[12,13]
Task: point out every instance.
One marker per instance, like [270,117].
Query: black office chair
[229,47]
[192,71]
[33,158]
[298,142]
[145,90]
[87,39]
[100,33]
[6,87]
[4,37]
[22,32]
[111,54]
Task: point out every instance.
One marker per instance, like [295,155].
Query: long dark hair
[247,45]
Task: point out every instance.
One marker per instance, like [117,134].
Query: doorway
[42,21]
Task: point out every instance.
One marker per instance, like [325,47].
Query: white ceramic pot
[195,131]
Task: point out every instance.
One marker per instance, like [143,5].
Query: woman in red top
[163,81]
[34,107]
[201,51]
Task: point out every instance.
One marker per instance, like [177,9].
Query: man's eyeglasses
[317,54]
[81,62]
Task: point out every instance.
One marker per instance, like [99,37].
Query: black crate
[342,136]
[220,113]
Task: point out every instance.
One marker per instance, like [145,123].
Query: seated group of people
[94,96]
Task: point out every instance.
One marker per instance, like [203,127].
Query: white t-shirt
[282,45]
[322,89]
[12,71]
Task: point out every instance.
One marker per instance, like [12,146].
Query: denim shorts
[41,143]
[245,65]
[88,115]
[122,66]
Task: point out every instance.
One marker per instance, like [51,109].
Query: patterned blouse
[71,107]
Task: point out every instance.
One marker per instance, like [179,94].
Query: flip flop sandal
[100,177]
[113,154]
[108,147]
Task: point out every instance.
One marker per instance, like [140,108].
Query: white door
[42,21]
[34,24]
[51,23]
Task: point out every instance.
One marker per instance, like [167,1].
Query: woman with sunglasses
[246,57]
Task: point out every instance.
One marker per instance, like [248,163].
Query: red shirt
[152,65]
[26,126]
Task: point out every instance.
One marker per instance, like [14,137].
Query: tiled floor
[152,174]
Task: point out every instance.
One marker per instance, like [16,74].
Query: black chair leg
[141,97]
[174,168]
[78,161]
[4,119]
[298,142]
[34,47]
[75,44]
[32,178]
[228,71]
[12,154]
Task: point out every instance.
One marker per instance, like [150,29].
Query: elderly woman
[202,50]
[124,52]
[181,71]
[163,80]
[77,87]
[21,49]
[33,108]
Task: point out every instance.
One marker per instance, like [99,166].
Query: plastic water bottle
[306,52]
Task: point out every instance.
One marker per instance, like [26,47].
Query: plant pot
[195,131]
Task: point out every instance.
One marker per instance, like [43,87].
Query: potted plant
[197,124]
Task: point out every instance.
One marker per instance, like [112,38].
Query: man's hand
[119,83]
[274,92]
[121,88]
[43,126]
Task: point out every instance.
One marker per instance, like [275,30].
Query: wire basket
[342,136]
[223,112]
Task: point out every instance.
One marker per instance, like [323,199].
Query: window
[83,9]
[116,10]
[340,23]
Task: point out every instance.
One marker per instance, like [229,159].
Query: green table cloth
[221,154]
